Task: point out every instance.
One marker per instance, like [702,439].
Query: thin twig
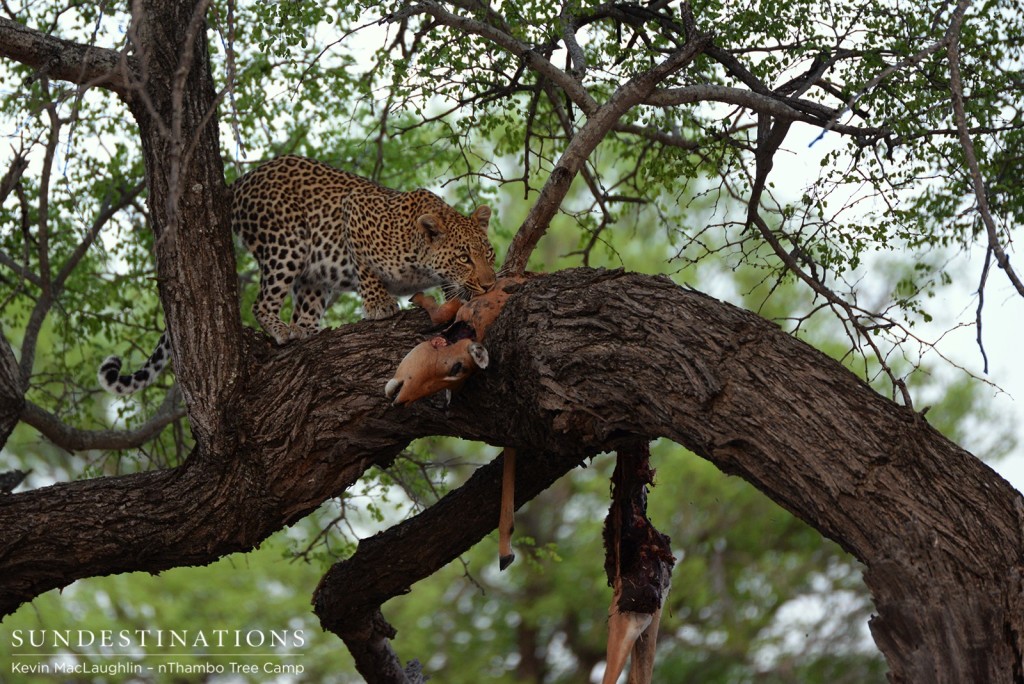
[981,305]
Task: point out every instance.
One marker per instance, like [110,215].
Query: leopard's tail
[112,381]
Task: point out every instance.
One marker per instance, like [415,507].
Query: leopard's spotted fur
[316,231]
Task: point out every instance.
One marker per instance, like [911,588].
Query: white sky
[1003,318]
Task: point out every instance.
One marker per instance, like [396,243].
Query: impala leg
[506,516]
[641,670]
[623,631]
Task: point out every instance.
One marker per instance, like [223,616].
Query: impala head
[433,366]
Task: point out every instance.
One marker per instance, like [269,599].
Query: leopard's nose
[487,282]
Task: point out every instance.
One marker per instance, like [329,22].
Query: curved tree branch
[598,124]
[772,104]
[781,107]
[74,439]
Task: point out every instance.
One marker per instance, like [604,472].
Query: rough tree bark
[599,357]
[582,361]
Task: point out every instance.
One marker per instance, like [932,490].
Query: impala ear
[482,215]
[431,227]
[480,355]
[393,387]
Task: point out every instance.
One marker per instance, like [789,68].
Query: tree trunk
[175,107]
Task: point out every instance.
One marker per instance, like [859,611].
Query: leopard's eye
[465,258]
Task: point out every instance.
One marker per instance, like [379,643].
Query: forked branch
[604,119]
[995,245]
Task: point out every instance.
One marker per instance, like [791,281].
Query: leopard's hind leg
[308,305]
[280,265]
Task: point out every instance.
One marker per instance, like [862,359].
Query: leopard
[316,231]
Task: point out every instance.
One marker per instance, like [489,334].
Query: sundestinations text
[156,638]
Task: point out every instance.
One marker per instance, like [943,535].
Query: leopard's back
[304,192]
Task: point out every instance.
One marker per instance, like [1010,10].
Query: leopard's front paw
[297,332]
[281,337]
[381,312]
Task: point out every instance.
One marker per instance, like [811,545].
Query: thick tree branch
[580,360]
[66,60]
[215,505]
[577,63]
[189,205]
[781,107]
[759,102]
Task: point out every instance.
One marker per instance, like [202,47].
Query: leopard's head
[457,248]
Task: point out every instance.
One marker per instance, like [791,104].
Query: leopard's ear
[482,215]
[431,227]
